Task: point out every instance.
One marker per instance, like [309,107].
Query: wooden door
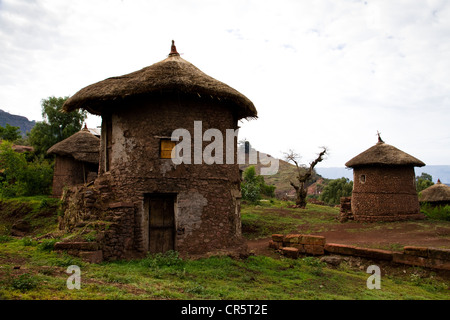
[161,223]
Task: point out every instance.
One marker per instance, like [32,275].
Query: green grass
[40,212]
[263,220]
[30,269]
[42,275]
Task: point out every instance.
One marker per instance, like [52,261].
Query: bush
[336,189]
[253,187]
[166,259]
[47,245]
[436,212]
[21,178]
[24,282]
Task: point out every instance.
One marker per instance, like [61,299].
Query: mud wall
[385,193]
[207,208]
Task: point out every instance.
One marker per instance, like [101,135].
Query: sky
[320,73]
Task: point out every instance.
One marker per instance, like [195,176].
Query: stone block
[92,256]
[275,245]
[83,246]
[292,238]
[408,259]
[438,264]
[340,249]
[299,246]
[416,251]
[277,237]
[314,249]
[442,254]
[315,240]
[377,254]
[290,252]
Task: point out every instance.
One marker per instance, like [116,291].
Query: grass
[31,270]
[42,275]
[262,220]
[39,212]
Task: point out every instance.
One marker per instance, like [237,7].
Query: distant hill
[23,123]
[437,172]
[280,180]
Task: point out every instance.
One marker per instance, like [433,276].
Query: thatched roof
[82,146]
[435,193]
[172,75]
[384,154]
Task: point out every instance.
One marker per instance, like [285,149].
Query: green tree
[254,186]
[423,181]
[9,133]
[21,178]
[57,125]
[336,189]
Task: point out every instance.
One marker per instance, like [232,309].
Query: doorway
[161,222]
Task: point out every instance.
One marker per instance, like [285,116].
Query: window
[362,178]
[166,147]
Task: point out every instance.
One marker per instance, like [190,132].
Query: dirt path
[390,236]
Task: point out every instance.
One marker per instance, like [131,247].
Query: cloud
[319,72]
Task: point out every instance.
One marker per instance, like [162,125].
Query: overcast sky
[320,73]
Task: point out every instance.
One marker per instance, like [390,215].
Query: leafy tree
[336,189]
[423,181]
[9,133]
[254,186]
[21,178]
[57,125]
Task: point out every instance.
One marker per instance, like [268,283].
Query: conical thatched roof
[435,193]
[384,154]
[82,146]
[172,75]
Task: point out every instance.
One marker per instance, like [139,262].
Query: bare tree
[303,174]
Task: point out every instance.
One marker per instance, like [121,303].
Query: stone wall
[384,193]
[207,197]
[295,245]
[67,172]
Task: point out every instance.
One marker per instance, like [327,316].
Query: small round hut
[158,204]
[384,184]
[76,162]
[436,195]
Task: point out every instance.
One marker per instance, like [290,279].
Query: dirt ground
[389,235]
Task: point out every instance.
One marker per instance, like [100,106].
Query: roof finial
[173,50]
[439,181]
[379,137]
[85,127]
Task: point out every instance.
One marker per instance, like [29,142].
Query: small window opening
[166,148]
[362,178]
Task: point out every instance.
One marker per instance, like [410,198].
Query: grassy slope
[42,273]
[42,276]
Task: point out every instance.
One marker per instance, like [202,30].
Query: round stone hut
[76,160]
[384,184]
[436,195]
[153,203]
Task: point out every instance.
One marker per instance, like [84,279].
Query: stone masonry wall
[387,194]
[296,245]
[207,208]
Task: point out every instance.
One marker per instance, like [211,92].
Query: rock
[332,260]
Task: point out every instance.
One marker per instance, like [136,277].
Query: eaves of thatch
[438,192]
[384,154]
[174,75]
[82,146]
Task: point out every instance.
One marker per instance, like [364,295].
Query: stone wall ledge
[82,246]
[294,245]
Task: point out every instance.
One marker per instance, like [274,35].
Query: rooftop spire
[173,50]
[379,137]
